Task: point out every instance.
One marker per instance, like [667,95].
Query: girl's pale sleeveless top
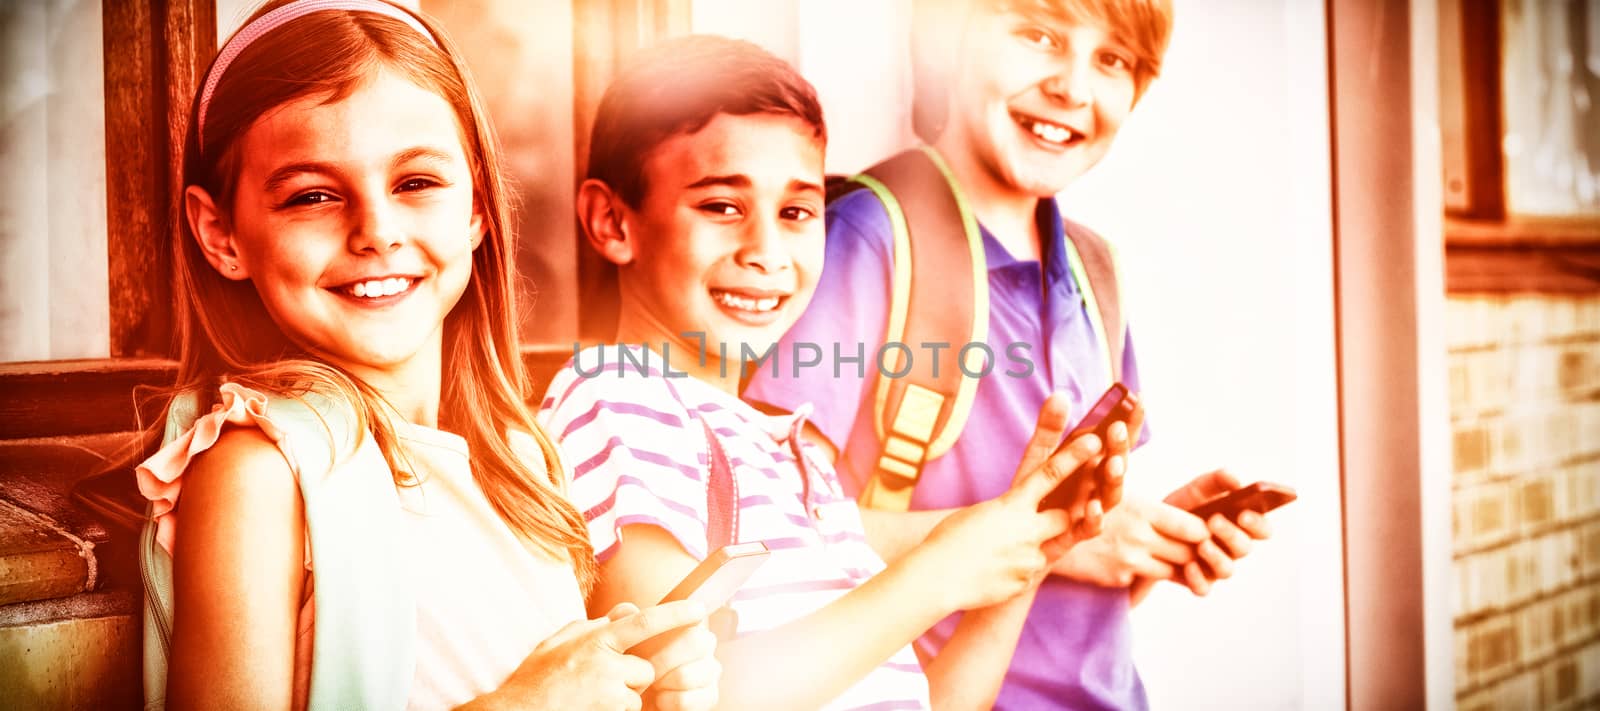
[483,598]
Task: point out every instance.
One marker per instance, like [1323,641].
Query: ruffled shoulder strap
[363,648]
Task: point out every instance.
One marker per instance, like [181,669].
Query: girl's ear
[600,215]
[211,230]
[479,224]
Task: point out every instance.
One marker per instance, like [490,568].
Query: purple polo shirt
[1076,651]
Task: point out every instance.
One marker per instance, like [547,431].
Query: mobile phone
[1116,404]
[1260,497]
[718,577]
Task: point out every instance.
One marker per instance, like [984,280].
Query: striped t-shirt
[634,439]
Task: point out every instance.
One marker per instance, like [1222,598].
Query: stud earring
[233,267]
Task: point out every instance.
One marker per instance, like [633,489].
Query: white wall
[856,53]
[1218,196]
[53,289]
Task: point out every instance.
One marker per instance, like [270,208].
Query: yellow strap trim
[898,468]
[879,494]
[903,449]
[1117,282]
[1081,276]
[919,412]
[962,409]
[900,294]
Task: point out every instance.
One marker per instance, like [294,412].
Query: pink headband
[282,16]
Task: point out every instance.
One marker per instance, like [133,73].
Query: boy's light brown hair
[1145,26]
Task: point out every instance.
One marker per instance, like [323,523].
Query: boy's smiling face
[1037,99]
[728,237]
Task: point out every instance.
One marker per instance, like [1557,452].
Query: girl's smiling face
[355,220]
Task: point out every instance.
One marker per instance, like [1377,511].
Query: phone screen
[1260,497]
[1116,404]
[1107,404]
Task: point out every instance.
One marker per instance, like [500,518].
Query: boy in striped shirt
[705,188]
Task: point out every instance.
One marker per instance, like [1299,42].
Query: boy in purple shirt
[1032,102]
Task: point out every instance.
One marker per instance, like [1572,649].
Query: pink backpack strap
[722,496]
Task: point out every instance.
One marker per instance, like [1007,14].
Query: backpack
[940,294]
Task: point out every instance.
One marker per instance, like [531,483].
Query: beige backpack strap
[940,294]
[1094,267]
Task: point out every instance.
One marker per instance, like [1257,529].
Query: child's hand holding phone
[1003,546]
[1234,515]
[1116,419]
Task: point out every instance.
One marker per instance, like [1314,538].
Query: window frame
[155,55]
[1488,250]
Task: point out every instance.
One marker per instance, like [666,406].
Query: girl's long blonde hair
[225,334]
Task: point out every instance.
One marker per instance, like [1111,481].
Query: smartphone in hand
[1117,404]
[1260,497]
[714,581]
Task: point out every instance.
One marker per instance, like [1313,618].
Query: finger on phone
[1148,567]
[1216,483]
[1196,579]
[1177,524]
[1136,423]
[1238,542]
[688,700]
[724,623]
[1217,562]
[1171,550]
[623,609]
[1255,524]
[1110,484]
[1047,431]
[635,672]
[682,646]
[694,675]
[1039,482]
[1117,438]
[649,622]
[1051,523]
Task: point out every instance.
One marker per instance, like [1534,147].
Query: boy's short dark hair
[679,86]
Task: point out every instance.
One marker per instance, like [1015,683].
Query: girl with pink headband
[369,515]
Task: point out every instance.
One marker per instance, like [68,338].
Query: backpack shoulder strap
[722,496]
[939,303]
[1094,267]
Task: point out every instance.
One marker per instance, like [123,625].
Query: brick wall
[1525,414]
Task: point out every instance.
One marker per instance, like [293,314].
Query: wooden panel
[154,55]
[1481,118]
[543,362]
[57,398]
[75,397]
[606,33]
[1526,270]
[1551,256]
[38,561]
[79,662]
[134,258]
[1530,232]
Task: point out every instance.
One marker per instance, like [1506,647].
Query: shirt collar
[1047,216]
